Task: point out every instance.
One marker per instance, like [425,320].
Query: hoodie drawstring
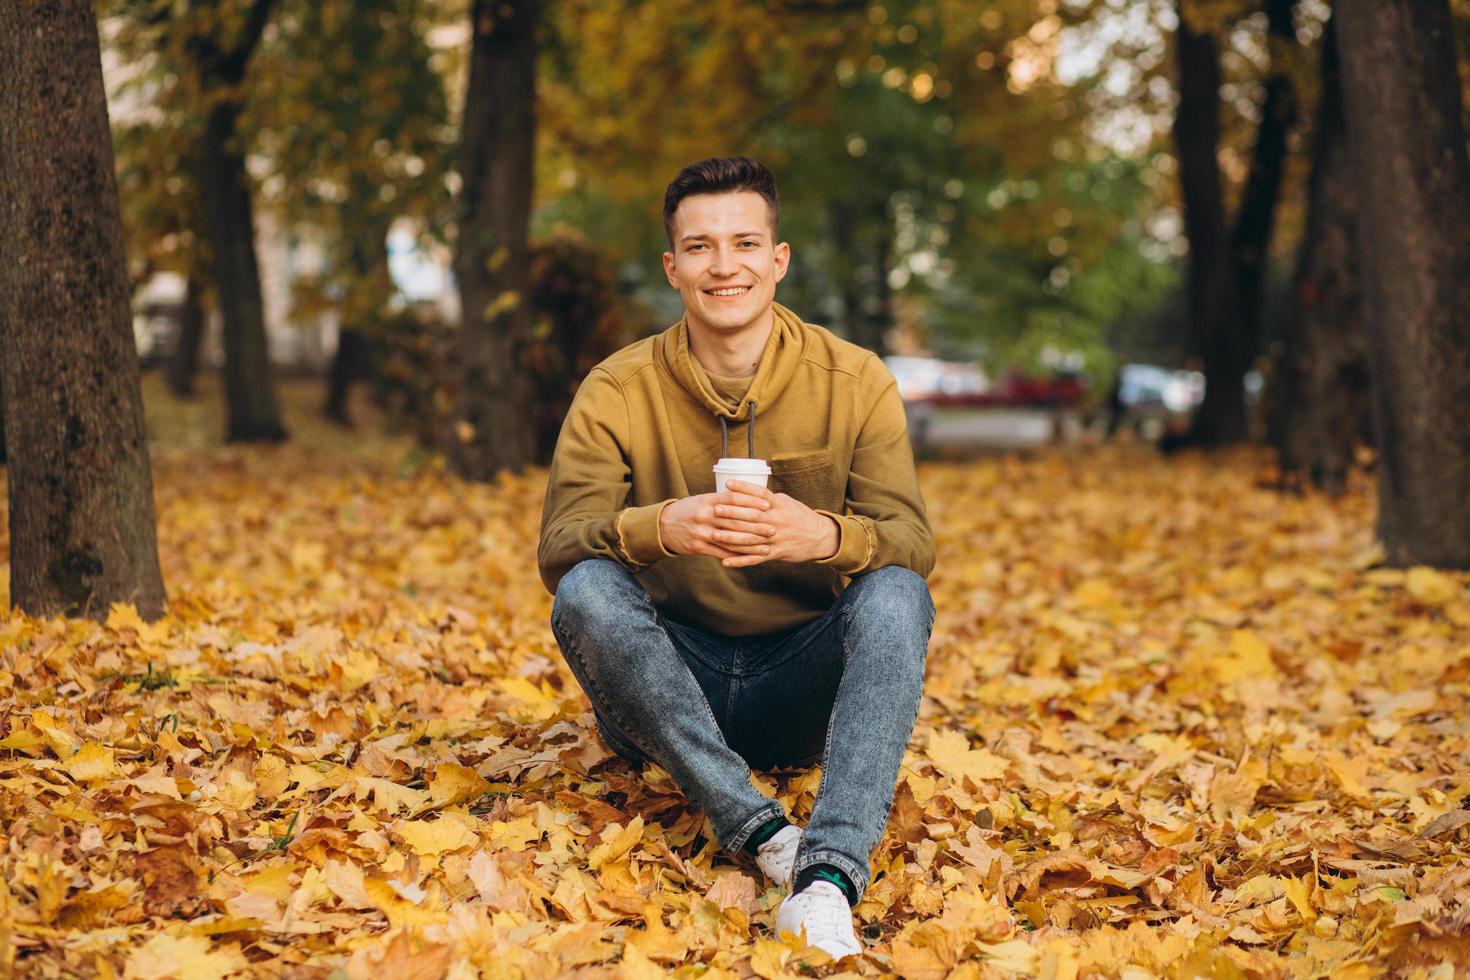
[749,435]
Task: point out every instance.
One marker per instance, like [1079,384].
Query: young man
[766,627]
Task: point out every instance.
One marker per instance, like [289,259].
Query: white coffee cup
[740,468]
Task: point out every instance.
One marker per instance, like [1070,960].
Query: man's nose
[725,263]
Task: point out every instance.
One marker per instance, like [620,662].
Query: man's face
[725,263]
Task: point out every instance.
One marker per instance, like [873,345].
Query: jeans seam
[571,651]
[831,718]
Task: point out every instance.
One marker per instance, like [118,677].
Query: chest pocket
[810,478]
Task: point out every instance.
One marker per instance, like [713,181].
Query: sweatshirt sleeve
[585,514]
[885,522]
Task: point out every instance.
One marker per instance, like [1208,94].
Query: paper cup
[740,468]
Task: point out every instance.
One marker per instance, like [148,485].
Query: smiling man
[760,627]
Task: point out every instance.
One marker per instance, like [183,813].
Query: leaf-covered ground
[1175,724]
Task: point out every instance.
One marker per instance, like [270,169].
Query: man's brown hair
[720,175]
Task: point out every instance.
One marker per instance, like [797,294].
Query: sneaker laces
[821,910]
[776,856]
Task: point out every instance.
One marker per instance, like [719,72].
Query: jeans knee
[592,596]
[894,598]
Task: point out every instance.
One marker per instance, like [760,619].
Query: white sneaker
[821,912]
[776,856]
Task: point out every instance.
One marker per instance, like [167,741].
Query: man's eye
[750,243]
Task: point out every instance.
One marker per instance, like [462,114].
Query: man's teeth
[731,291]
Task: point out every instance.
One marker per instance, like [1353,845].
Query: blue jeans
[843,690]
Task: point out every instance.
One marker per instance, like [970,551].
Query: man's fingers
[753,515]
[745,495]
[745,561]
[744,527]
[726,539]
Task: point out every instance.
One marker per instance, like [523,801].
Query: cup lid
[743,464]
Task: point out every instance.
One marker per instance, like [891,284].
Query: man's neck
[731,355]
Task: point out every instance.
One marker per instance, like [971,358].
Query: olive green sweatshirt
[646,428]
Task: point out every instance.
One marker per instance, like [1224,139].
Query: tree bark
[1211,281]
[1250,240]
[1229,342]
[225,188]
[82,532]
[1407,136]
[493,430]
[1319,400]
[183,365]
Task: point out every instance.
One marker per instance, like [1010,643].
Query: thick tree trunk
[1407,136]
[183,365]
[1318,400]
[493,430]
[1212,299]
[81,490]
[250,393]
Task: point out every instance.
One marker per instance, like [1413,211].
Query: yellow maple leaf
[513,835]
[1013,956]
[615,847]
[430,838]
[1248,658]
[63,740]
[187,957]
[1431,586]
[454,783]
[950,752]
[637,966]
[92,762]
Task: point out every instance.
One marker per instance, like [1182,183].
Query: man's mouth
[729,291]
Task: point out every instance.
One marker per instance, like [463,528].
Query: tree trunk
[1212,299]
[183,365]
[1250,240]
[81,490]
[1229,341]
[1318,401]
[493,430]
[250,393]
[1407,137]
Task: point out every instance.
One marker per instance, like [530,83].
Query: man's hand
[746,526]
[692,526]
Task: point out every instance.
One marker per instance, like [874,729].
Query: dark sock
[765,832]
[826,872]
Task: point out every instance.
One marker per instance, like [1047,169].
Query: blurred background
[991,195]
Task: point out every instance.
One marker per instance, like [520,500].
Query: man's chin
[729,321]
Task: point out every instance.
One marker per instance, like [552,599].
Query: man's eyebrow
[738,234]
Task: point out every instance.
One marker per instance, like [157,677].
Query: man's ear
[669,269]
[782,260]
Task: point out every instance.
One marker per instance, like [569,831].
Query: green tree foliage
[353,123]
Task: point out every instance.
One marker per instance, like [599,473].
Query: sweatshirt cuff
[855,544]
[638,537]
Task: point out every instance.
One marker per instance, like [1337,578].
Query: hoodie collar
[778,364]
